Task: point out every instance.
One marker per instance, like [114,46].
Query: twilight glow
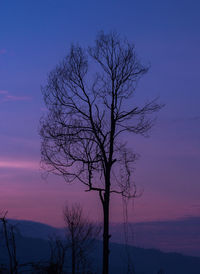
[18,164]
[35,36]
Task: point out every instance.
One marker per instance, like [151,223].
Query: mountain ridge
[181,236]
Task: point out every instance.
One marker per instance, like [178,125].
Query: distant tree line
[68,255]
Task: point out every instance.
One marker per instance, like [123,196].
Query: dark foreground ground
[144,261]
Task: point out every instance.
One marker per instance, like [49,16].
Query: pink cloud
[6,96]
[3,51]
[19,164]
[3,92]
[16,98]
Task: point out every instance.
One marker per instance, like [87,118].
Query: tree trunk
[106,235]
[7,245]
[73,253]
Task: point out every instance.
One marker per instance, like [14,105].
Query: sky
[34,37]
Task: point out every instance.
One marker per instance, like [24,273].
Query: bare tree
[81,235]
[57,258]
[89,113]
[9,232]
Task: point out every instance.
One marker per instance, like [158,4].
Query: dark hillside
[145,261]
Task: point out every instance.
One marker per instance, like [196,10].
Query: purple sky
[34,36]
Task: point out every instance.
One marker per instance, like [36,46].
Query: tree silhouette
[80,235]
[57,258]
[9,231]
[89,113]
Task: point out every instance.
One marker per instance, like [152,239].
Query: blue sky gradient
[35,36]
